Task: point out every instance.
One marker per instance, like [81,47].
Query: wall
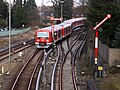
[103,51]
[107,54]
[114,54]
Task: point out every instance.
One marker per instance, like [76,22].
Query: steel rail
[40,70]
[17,48]
[54,70]
[33,73]
[63,61]
[16,45]
[73,63]
[15,82]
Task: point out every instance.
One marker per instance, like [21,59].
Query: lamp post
[61,2]
[9,31]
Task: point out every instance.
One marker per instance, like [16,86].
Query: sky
[46,2]
[38,2]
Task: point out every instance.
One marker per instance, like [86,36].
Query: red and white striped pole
[96,47]
[96,41]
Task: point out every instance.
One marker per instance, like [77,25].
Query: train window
[66,31]
[55,35]
[59,33]
[69,29]
[42,35]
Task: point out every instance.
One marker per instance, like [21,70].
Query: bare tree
[55,2]
[82,4]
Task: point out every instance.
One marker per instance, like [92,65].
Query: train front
[43,39]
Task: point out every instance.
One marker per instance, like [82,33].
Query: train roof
[74,19]
[69,22]
[49,28]
[65,24]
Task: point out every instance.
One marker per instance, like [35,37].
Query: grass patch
[5,42]
[111,85]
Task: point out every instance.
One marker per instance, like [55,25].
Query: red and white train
[44,37]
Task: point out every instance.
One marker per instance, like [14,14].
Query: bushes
[2,23]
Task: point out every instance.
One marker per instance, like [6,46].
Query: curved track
[80,47]
[72,69]
[25,77]
[51,71]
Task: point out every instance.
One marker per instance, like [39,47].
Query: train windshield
[42,34]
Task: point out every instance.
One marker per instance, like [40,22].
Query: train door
[63,31]
[50,37]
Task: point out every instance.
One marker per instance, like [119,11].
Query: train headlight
[37,40]
[55,33]
[42,40]
[47,40]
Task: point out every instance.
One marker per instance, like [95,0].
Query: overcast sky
[46,2]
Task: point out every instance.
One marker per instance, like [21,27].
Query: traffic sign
[100,68]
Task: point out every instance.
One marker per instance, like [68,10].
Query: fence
[14,32]
[103,51]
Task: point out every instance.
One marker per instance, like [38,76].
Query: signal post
[96,44]
[52,22]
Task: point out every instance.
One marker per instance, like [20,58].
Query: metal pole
[9,31]
[44,68]
[96,53]
[62,2]
[61,10]
[52,21]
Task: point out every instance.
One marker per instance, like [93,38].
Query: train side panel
[44,36]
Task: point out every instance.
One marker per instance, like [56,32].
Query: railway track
[51,75]
[4,53]
[79,48]
[66,63]
[25,78]
[45,79]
